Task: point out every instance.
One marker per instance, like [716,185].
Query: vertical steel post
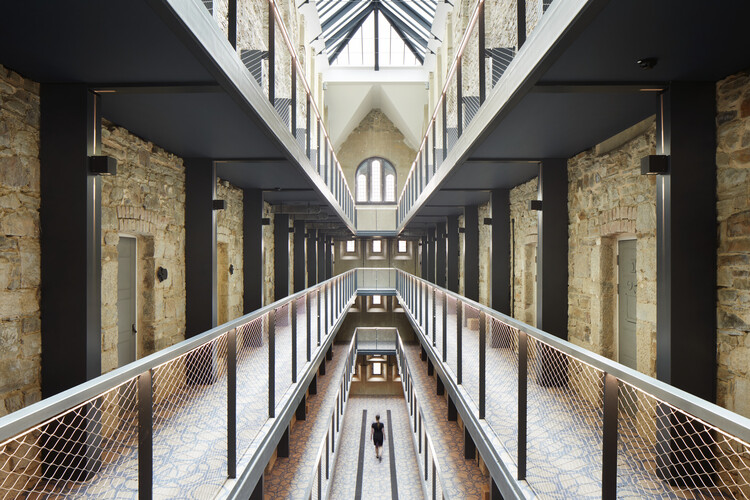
[293,111]
[271,58]
[609,437]
[482,56]
[523,370]
[445,327]
[426,311]
[317,302]
[308,324]
[145,437]
[482,363]
[459,96]
[434,317]
[325,310]
[271,364]
[459,342]
[232,23]
[232,403]
[293,307]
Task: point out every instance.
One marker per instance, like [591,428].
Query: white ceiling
[403,103]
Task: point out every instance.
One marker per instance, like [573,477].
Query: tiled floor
[290,477]
[461,478]
[376,482]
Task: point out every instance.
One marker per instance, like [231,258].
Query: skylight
[403,28]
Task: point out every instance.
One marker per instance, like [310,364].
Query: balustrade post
[426,311]
[317,303]
[609,437]
[523,370]
[325,310]
[232,403]
[459,97]
[308,324]
[459,342]
[271,364]
[145,436]
[293,307]
[434,317]
[482,363]
[445,327]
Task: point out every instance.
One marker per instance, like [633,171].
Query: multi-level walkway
[357,473]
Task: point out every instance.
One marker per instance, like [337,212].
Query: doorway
[627,351]
[126,299]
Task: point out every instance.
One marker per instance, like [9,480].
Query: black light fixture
[535,205]
[488,221]
[231,269]
[654,164]
[220,204]
[161,274]
[102,165]
[647,63]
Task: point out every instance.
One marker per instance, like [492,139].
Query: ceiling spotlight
[647,63]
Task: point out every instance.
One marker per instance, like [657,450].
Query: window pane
[390,188]
[376,181]
[350,246]
[361,187]
[402,246]
[376,300]
[377,369]
[377,246]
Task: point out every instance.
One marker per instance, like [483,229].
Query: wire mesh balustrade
[177,423]
[574,424]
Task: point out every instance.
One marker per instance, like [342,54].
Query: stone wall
[523,252]
[608,199]
[733,257]
[229,240]
[146,199]
[20,325]
[376,135]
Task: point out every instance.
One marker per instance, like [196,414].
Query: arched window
[376,181]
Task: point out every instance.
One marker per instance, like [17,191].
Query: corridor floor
[376,481]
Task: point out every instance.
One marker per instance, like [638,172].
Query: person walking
[377,435]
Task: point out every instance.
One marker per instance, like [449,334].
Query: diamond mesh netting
[252,380]
[89,451]
[502,383]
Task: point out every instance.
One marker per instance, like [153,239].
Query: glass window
[361,187]
[401,246]
[351,246]
[390,187]
[376,300]
[376,183]
[377,368]
[377,246]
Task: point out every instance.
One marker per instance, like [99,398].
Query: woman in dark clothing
[377,436]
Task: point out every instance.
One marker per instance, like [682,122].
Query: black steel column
[500,267]
[452,253]
[440,255]
[280,256]
[452,411]
[329,257]
[299,255]
[145,436]
[423,257]
[232,23]
[686,240]
[470,448]
[552,248]
[312,257]
[431,255]
[70,218]
[521,22]
[282,450]
[609,437]
[321,257]
[258,491]
[494,491]
[252,249]
[471,252]
[271,57]
[200,246]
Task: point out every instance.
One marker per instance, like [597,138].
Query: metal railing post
[426,311]
[293,307]
[523,370]
[482,364]
[434,317]
[232,403]
[609,437]
[317,304]
[445,327]
[271,364]
[459,342]
[325,310]
[145,436]
[308,324]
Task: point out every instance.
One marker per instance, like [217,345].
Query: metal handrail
[345,375]
[405,377]
[710,413]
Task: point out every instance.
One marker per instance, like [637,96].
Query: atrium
[236,236]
